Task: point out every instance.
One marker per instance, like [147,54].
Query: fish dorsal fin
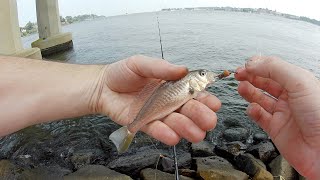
[142,97]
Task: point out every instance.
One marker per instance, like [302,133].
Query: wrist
[94,89]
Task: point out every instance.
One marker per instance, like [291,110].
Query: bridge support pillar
[10,36]
[51,39]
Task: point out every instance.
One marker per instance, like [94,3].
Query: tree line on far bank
[32,27]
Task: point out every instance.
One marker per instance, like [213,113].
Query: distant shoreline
[32,28]
[250,10]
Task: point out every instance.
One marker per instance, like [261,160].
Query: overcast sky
[27,9]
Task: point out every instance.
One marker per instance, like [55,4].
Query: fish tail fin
[122,139]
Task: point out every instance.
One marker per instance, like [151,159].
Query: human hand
[292,117]
[122,81]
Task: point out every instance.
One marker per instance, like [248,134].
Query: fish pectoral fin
[122,139]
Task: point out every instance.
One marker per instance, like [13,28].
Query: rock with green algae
[151,174]
[217,168]
[280,167]
[7,170]
[96,172]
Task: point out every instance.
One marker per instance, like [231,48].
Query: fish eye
[202,73]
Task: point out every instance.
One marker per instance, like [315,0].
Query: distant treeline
[31,27]
[73,19]
[250,10]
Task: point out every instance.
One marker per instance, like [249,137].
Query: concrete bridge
[51,39]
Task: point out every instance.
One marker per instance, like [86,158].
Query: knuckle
[191,107]
[133,59]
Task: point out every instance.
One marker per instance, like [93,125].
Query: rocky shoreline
[233,158]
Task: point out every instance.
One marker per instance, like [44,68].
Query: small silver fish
[165,99]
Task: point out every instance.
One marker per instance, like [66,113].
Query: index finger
[289,76]
[155,68]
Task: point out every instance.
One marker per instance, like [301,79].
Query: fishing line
[160,37]
[174,147]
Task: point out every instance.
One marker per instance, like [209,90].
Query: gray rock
[167,164]
[252,166]
[262,175]
[7,170]
[202,149]
[215,167]
[280,167]
[212,162]
[86,157]
[302,178]
[232,123]
[151,174]
[237,144]
[236,134]
[264,151]
[258,137]
[39,173]
[230,150]
[96,172]
[188,173]
[133,164]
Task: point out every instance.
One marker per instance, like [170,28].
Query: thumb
[155,68]
[289,76]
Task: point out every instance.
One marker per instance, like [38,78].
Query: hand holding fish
[292,116]
[123,82]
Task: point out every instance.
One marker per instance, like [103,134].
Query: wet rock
[212,162]
[237,144]
[280,167]
[133,164]
[264,151]
[96,172]
[188,173]
[252,166]
[302,178]
[230,150]
[232,123]
[7,170]
[85,157]
[216,167]
[236,134]
[220,174]
[167,163]
[223,151]
[259,137]
[202,149]
[151,174]
[51,172]
[263,175]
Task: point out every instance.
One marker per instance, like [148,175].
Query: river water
[197,39]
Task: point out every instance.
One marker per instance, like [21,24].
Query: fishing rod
[176,174]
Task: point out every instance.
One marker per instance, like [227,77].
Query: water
[197,39]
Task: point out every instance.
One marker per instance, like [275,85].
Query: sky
[27,8]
